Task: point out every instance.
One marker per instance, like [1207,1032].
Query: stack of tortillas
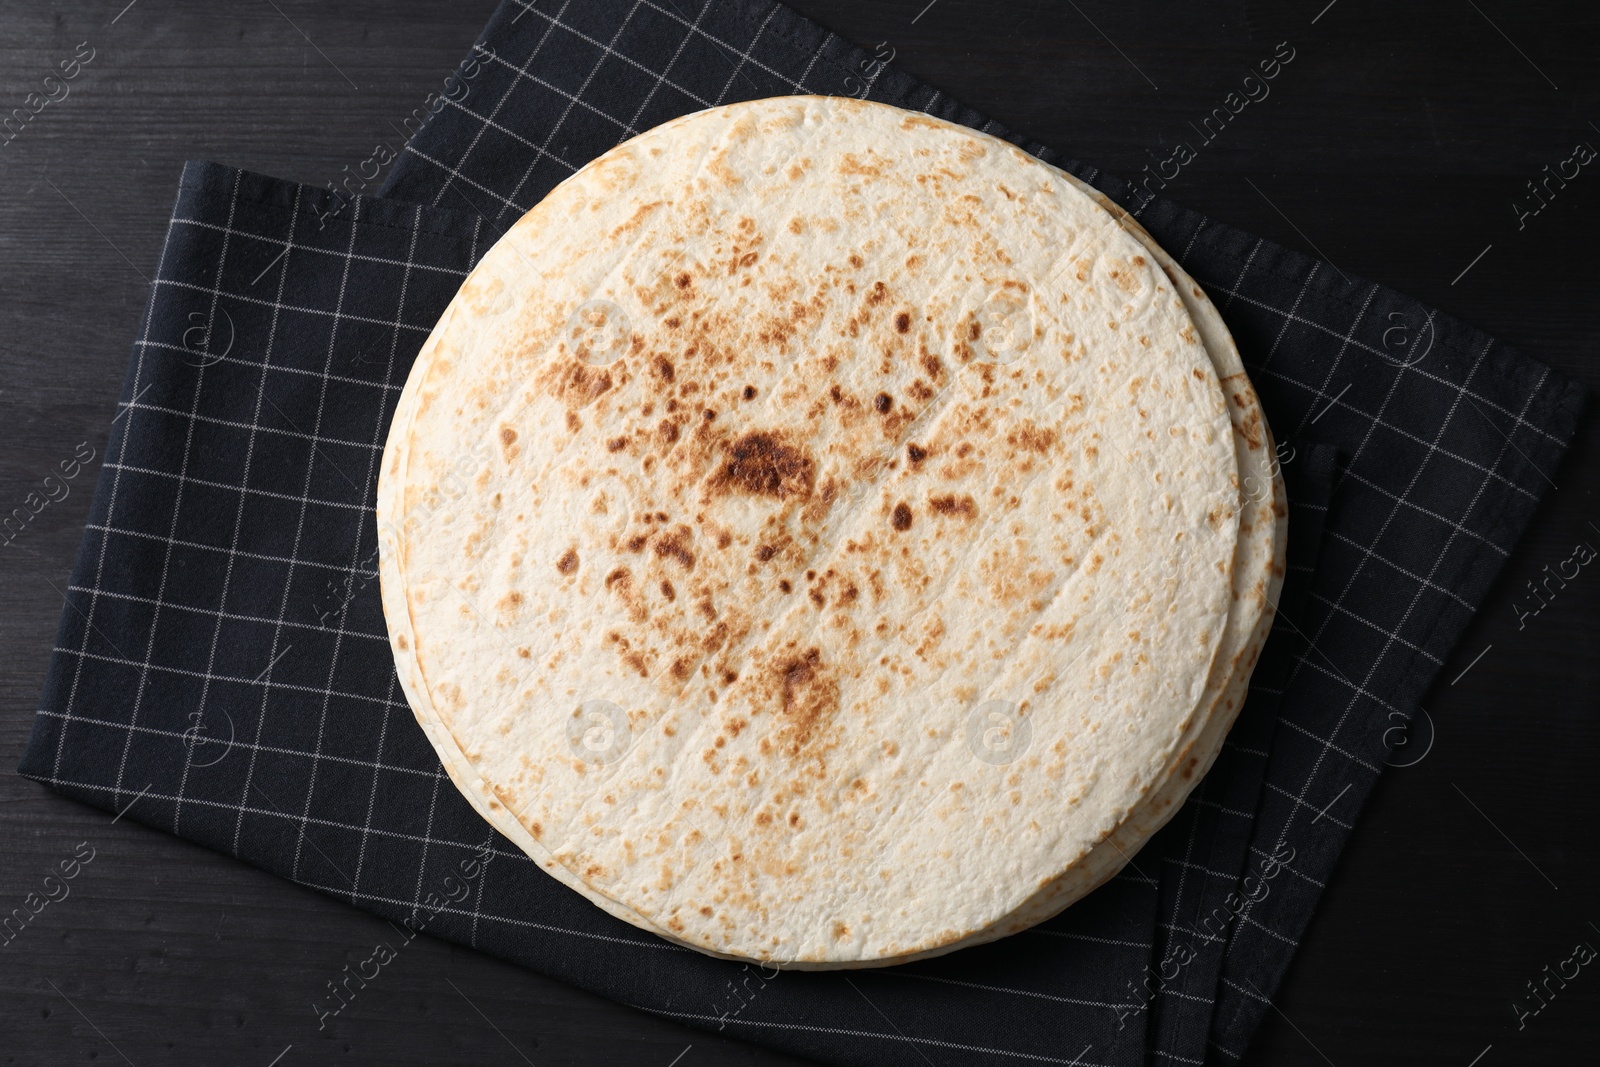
[822,534]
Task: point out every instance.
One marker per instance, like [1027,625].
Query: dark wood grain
[1396,143]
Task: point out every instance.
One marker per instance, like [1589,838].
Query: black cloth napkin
[222,671]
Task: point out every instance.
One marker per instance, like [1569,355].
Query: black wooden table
[1399,144]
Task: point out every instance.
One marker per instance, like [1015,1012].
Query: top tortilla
[1257,575]
[754,473]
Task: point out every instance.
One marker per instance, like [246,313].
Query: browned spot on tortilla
[675,544]
[664,369]
[668,592]
[1250,429]
[568,561]
[508,436]
[963,507]
[900,518]
[582,384]
[785,586]
[807,698]
[882,403]
[1033,438]
[931,364]
[683,280]
[401,642]
[916,454]
[765,552]
[719,633]
[617,444]
[852,164]
[877,294]
[902,322]
[620,576]
[749,392]
[667,431]
[761,464]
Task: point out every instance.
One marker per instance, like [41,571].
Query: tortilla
[795,503]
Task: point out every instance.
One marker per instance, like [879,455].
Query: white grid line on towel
[315,439]
[298,308]
[265,557]
[177,513]
[1388,358]
[276,750]
[561,121]
[294,550]
[258,365]
[356,257]
[506,96]
[368,484]
[1375,421]
[554,21]
[230,616]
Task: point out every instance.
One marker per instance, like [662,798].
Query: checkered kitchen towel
[222,672]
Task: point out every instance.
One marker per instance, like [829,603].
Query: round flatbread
[813,526]
[1257,576]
